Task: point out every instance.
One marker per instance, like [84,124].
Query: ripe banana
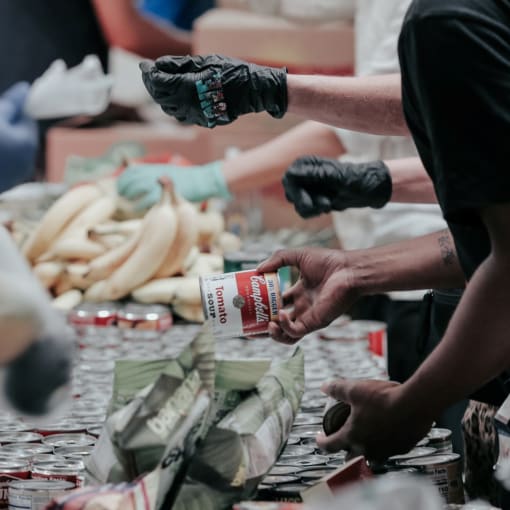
[70,248]
[176,290]
[48,273]
[62,285]
[185,238]
[210,225]
[98,211]
[104,265]
[206,263]
[57,217]
[96,292]
[68,300]
[77,275]
[127,227]
[109,241]
[158,233]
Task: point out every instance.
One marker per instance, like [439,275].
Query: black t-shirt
[34,33]
[455,59]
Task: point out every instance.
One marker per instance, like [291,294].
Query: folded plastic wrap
[242,447]
[191,432]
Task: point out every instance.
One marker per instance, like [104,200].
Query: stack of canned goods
[33,458]
[344,349]
[40,462]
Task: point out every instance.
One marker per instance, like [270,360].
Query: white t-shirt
[377,25]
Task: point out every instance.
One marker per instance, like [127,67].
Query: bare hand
[381,423]
[322,293]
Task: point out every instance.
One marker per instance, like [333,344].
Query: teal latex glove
[194,183]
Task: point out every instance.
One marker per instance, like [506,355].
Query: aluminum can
[144,317]
[58,440]
[415,453]
[335,415]
[10,471]
[93,314]
[35,494]
[68,470]
[61,427]
[74,452]
[242,303]
[440,440]
[25,449]
[445,471]
[20,437]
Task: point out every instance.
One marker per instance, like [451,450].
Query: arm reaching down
[332,280]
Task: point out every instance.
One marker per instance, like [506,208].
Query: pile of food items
[90,246]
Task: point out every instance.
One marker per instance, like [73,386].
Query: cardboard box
[190,142]
[305,48]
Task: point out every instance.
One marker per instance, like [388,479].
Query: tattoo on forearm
[447,250]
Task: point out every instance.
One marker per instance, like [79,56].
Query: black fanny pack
[439,306]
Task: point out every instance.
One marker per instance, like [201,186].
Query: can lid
[137,311]
[276,479]
[41,485]
[13,465]
[413,454]
[437,435]
[432,460]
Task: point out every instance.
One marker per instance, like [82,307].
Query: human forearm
[410,182]
[266,163]
[367,104]
[125,27]
[421,263]
[477,331]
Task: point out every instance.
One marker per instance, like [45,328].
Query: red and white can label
[242,303]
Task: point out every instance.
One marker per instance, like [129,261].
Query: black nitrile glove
[319,185]
[214,90]
[33,379]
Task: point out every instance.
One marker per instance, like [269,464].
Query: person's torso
[470,235]
[34,33]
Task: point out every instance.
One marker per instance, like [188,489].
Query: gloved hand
[18,137]
[214,90]
[195,183]
[318,185]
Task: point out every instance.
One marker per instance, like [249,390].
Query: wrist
[379,182]
[218,181]
[364,276]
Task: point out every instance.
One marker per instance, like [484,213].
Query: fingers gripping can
[242,303]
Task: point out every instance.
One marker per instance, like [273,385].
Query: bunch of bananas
[80,252]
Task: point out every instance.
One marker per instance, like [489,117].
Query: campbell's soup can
[242,303]
[36,494]
[251,257]
[11,470]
